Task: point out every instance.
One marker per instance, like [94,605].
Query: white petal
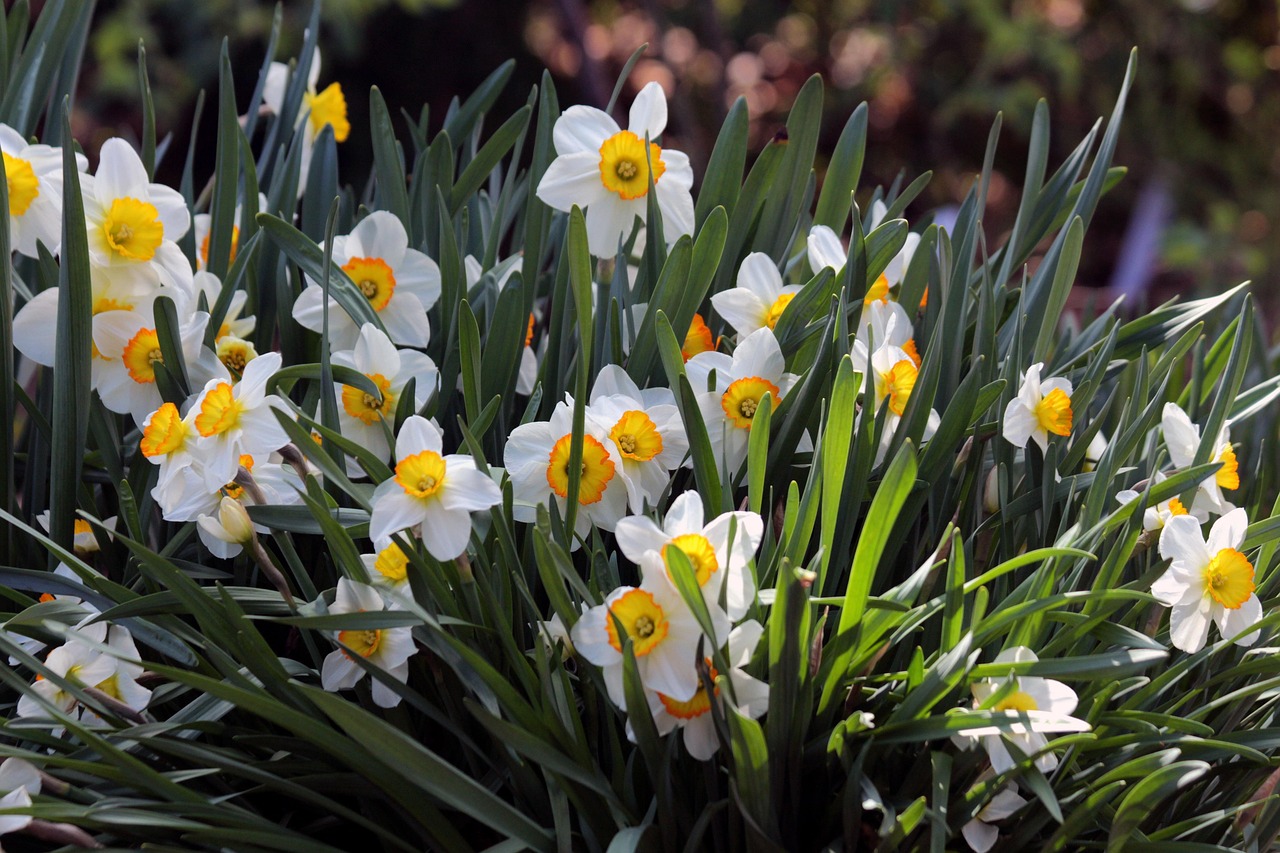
[416,435]
[609,222]
[1228,531]
[394,512]
[825,250]
[446,532]
[979,836]
[1189,623]
[1233,622]
[467,489]
[1180,435]
[1181,542]
[120,172]
[582,129]
[1020,424]
[648,112]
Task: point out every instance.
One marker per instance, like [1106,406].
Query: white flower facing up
[437,493]
[362,415]
[237,420]
[389,649]
[759,298]
[741,381]
[1183,440]
[717,563]
[129,348]
[645,430]
[133,224]
[1207,581]
[400,283]
[606,170]
[327,107]
[19,779]
[33,174]
[537,459]
[979,833]
[693,716]
[1041,407]
[664,636]
[1157,516]
[1038,705]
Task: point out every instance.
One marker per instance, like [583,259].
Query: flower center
[364,643]
[1228,579]
[642,618]
[364,406]
[878,291]
[164,433]
[234,490]
[697,339]
[219,411]
[328,106]
[1228,476]
[1017,701]
[235,353]
[742,399]
[1176,507]
[374,278]
[422,474]
[700,553]
[624,168]
[896,385]
[22,182]
[140,355]
[597,469]
[694,707]
[204,246]
[637,436]
[392,563]
[1053,413]
[910,349]
[133,229]
[528,335]
[775,310]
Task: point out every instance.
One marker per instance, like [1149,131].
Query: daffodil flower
[400,283]
[319,109]
[826,251]
[646,432]
[979,833]
[537,459]
[664,637]
[606,170]
[1207,581]
[1182,437]
[232,323]
[759,298]
[78,662]
[693,716]
[894,373]
[237,420]
[128,348]
[1041,407]
[756,368]
[388,569]
[1157,516]
[717,564]
[19,779]
[203,224]
[883,324]
[436,492]
[184,496]
[33,174]
[389,649]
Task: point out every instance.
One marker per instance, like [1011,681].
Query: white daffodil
[128,349]
[1041,407]
[362,416]
[883,324]
[434,491]
[1156,517]
[186,497]
[232,323]
[203,224]
[894,374]
[717,564]
[693,716]
[537,458]
[133,224]
[1182,437]
[389,649]
[527,377]
[85,541]
[78,662]
[388,569]
[741,381]
[645,430]
[606,170]
[168,441]
[664,637]
[400,283]
[237,420]
[1038,705]
[1207,581]
[826,251]
[19,779]
[327,107]
[759,298]
[979,833]
[33,174]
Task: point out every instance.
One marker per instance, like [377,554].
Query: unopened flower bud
[991,492]
[234,519]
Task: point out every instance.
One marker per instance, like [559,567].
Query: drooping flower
[388,649]
[400,283]
[759,298]
[186,497]
[1039,706]
[979,833]
[326,108]
[607,170]
[717,563]
[33,174]
[755,368]
[1041,407]
[646,432]
[1182,437]
[537,459]
[236,420]
[19,779]
[388,569]
[231,526]
[693,716]
[1207,581]
[1157,516]
[434,491]
[663,633]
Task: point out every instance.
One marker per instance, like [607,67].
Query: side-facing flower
[434,491]
[326,108]
[607,170]
[1182,437]
[203,224]
[388,649]
[1041,407]
[388,569]
[1207,581]
[1157,516]
[979,833]
[759,298]
[645,430]
[33,174]
[19,779]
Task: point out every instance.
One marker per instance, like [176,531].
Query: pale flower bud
[234,519]
[991,493]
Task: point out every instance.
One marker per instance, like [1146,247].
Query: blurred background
[1198,212]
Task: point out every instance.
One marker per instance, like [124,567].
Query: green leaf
[843,172]
[477,171]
